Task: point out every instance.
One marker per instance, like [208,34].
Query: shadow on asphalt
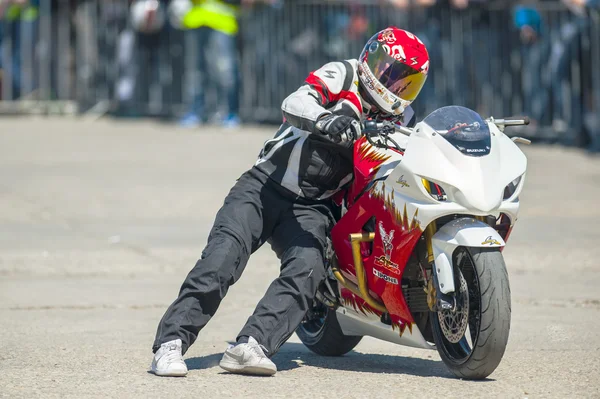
[204,362]
[294,355]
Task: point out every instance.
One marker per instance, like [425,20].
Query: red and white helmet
[392,69]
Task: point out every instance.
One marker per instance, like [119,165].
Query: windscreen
[463,128]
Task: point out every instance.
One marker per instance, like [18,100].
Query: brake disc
[454,322]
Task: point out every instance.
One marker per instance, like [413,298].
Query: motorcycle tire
[324,335]
[487,320]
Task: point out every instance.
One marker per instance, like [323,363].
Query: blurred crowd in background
[227,62]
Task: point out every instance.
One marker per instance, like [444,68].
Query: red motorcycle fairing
[367,161]
[396,235]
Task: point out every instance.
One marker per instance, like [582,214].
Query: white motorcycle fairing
[474,185]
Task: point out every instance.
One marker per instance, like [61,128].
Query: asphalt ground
[101,221]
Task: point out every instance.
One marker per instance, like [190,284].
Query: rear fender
[463,232]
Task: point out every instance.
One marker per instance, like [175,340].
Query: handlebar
[383,130]
[510,121]
[373,128]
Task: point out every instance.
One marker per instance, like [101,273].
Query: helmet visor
[399,78]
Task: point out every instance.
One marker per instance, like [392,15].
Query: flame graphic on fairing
[360,306]
[402,219]
[369,153]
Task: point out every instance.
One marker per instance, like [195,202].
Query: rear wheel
[320,332]
[471,338]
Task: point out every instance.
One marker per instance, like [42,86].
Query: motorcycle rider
[286,199]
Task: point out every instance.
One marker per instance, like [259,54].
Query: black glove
[340,128]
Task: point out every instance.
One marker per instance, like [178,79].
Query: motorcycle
[416,256]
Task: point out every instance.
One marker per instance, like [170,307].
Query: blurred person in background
[262,59]
[113,24]
[68,51]
[43,60]
[571,118]
[478,37]
[551,96]
[346,28]
[534,55]
[583,10]
[84,15]
[214,26]
[287,199]
[19,29]
[140,46]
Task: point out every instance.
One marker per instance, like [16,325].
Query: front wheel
[320,332]
[471,338]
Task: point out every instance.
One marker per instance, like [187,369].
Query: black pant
[255,210]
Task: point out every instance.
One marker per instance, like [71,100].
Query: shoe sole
[169,374]
[250,370]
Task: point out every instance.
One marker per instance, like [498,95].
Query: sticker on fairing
[385,277]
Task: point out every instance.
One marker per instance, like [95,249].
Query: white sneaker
[168,361]
[247,358]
